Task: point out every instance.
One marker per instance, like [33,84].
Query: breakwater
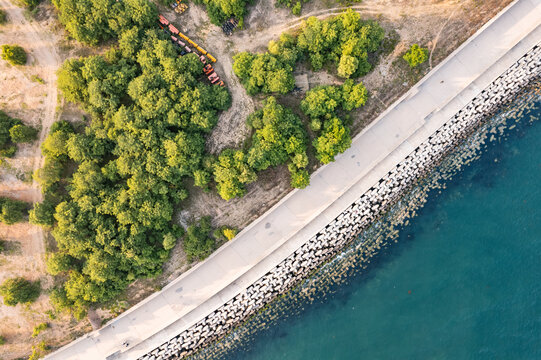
[357,217]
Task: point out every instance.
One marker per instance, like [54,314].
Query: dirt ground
[440,25]
[29,93]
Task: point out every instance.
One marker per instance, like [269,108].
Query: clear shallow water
[462,282]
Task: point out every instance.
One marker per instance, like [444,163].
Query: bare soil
[29,93]
[440,25]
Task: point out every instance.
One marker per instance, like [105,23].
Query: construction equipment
[213,77]
[181,8]
[174,30]
[229,26]
[208,69]
[162,20]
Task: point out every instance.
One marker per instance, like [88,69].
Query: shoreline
[242,295]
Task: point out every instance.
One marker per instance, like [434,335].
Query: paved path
[301,214]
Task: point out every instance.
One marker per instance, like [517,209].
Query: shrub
[38,329]
[2,340]
[23,134]
[229,233]
[19,290]
[198,243]
[14,54]
[416,55]
[11,211]
[3,17]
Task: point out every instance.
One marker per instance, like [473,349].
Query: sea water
[457,274]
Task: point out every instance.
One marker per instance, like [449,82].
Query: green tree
[334,139]
[19,290]
[231,173]
[416,55]
[12,211]
[22,133]
[14,54]
[198,242]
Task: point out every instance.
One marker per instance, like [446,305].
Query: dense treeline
[112,218]
[279,138]
[92,21]
[342,42]
[326,106]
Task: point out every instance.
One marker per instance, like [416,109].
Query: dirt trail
[47,59]
[390,12]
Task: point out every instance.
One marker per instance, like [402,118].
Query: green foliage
[416,55]
[334,139]
[231,173]
[324,105]
[43,213]
[300,179]
[19,290]
[198,242]
[344,40]
[112,216]
[224,233]
[264,73]
[7,146]
[2,340]
[38,329]
[279,138]
[3,17]
[221,10]
[38,351]
[11,211]
[14,54]
[23,134]
[93,21]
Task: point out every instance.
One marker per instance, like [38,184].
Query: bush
[416,55]
[38,329]
[23,134]
[2,340]
[19,290]
[14,54]
[11,211]
[43,213]
[198,242]
[3,17]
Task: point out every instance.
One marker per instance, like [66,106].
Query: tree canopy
[19,290]
[279,138]
[14,54]
[325,105]
[112,216]
[92,21]
[416,55]
[342,42]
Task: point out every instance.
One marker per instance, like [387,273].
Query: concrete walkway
[301,214]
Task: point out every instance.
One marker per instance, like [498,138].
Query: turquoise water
[463,280]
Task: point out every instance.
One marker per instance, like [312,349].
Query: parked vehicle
[203,59]
[221,83]
[213,76]
[208,69]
